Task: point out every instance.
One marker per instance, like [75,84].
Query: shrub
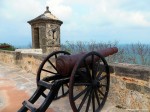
[5,46]
[130,53]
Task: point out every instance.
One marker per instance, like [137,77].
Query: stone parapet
[141,72]
[28,61]
[35,51]
[31,62]
[130,87]
[129,84]
[10,57]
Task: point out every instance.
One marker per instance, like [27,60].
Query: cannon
[84,76]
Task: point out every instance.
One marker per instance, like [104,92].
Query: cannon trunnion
[84,76]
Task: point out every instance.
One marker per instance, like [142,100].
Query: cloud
[14,15]
[19,9]
[59,8]
[82,18]
[139,19]
[108,19]
[128,18]
[114,13]
[103,12]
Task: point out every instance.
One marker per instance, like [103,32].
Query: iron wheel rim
[40,69]
[90,92]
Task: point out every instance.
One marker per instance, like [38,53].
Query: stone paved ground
[17,85]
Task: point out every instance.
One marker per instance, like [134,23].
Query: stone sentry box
[46,32]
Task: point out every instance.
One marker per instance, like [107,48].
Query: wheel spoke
[81,93]
[63,89]
[84,99]
[89,101]
[100,92]
[82,84]
[100,70]
[55,56]
[102,85]
[97,98]
[93,74]
[52,65]
[53,74]
[94,85]
[87,69]
[99,74]
[48,71]
[67,85]
[103,77]
[65,54]
[93,101]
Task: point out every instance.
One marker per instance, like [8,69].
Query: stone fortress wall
[129,85]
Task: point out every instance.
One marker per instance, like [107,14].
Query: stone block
[146,90]
[133,71]
[133,87]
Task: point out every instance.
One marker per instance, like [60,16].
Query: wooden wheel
[89,83]
[48,72]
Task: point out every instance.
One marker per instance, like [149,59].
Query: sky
[125,21]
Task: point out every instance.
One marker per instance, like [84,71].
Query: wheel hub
[95,83]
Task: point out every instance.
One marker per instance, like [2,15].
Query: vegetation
[5,46]
[131,53]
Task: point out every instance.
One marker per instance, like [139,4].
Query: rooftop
[47,15]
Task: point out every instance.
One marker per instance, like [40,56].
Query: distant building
[46,32]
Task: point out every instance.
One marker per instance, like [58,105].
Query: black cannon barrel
[65,63]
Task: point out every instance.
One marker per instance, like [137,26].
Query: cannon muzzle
[66,63]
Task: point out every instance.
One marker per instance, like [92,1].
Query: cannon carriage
[84,76]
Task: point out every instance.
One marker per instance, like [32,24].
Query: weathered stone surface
[34,51]
[11,57]
[145,89]
[133,87]
[131,95]
[127,91]
[45,31]
[13,87]
[133,71]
